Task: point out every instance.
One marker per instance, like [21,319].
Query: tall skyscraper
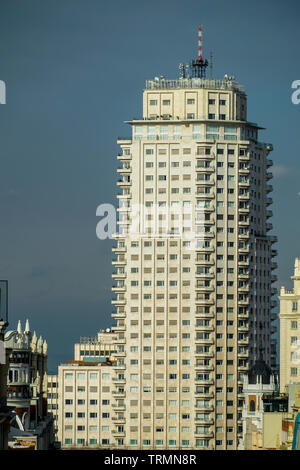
[193,268]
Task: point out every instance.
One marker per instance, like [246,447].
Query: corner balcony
[244,275]
[269,214]
[204,222]
[124,157]
[204,289]
[204,368]
[244,210]
[203,382]
[244,197]
[244,183]
[269,163]
[204,408]
[124,170]
[124,183]
[206,435]
[269,188]
[119,394]
[243,316]
[204,275]
[204,315]
[244,289]
[119,275]
[204,302]
[205,182]
[117,249]
[204,355]
[244,223]
[120,341]
[244,249]
[205,209]
[118,419]
[209,341]
[119,406]
[119,260]
[117,433]
[203,195]
[243,341]
[119,380]
[204,328]
[118,328]
[244,262]
[269,175]
[204,262]
[118,315]
[244,157]
[244,171]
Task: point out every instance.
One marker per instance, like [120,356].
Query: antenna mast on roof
[198,66]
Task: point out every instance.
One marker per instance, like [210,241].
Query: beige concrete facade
[91,348]
[290,331]
[193,265]
[85,405]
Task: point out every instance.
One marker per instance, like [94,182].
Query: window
[153,102]
[294,371]
[138,132]
[212,132]
[176,135]
[196,132]
[230,133]
[190,101]
[293,324]
[151,133]
[295,307]
[164,132]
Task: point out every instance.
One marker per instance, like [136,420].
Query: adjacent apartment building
[193,263]
[290,331]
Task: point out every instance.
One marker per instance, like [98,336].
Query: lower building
[85,405]
[6,415]
[289,318]
[32,426]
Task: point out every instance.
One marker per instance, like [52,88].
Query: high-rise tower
[193,264]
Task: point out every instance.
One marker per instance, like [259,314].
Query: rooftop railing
[224,84]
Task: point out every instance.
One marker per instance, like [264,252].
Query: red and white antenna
[200,43]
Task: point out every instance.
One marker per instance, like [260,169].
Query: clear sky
[75,71]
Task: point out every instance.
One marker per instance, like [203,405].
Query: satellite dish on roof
[107,330]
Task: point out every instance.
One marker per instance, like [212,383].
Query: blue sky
[75,71]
